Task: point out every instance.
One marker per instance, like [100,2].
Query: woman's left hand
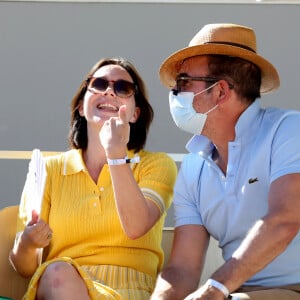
[114,134]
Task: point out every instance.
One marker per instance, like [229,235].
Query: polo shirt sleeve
[186,191]
[156,175]
[285,156]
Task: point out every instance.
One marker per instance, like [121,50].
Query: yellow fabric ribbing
[83,215]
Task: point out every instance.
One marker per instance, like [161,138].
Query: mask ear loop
[213,108]
[210,87]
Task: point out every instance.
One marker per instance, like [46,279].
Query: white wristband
[123,161]
[218,285]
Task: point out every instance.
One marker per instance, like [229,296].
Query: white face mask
[183,113]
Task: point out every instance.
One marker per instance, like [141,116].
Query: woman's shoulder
[60,158]
[145,154]
[56,155]
[156,157]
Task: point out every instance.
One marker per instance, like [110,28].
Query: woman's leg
[61,281]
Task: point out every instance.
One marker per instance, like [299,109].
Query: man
[240,183]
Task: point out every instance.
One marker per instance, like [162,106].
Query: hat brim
[169,68]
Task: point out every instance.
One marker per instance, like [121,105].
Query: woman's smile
[107,107]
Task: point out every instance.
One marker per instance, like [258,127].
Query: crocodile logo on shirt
[252,180]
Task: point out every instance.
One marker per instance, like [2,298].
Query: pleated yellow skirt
[104,282]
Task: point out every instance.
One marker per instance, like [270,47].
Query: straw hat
[223,39]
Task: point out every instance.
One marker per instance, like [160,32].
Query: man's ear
[223,91]
[136,115]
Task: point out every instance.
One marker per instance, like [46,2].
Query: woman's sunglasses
[121,88]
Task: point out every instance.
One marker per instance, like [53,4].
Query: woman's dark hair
[78,138]
[244,75]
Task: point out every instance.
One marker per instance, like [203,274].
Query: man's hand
[206,292]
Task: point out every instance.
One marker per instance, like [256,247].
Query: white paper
[36,178]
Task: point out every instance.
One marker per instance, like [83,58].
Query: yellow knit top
[84,218]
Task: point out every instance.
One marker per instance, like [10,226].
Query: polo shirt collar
[201,144]
[73,162]
[248,117]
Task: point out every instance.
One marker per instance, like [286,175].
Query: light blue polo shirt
[267,146]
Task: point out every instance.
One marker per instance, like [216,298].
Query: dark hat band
[232,44]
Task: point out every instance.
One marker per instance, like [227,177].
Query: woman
[105,200]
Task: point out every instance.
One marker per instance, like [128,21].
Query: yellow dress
[86,228]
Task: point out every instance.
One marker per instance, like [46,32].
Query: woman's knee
[56,274]
[60,280]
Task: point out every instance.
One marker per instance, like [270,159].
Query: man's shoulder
[273,118]
[279,114]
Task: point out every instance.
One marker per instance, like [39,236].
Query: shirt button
[101,188]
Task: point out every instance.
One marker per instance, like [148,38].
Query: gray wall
[47,48]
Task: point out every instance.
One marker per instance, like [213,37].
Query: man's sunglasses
[121,88]
[183,82]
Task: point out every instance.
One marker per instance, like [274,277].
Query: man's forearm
[264,242]
[174,284]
